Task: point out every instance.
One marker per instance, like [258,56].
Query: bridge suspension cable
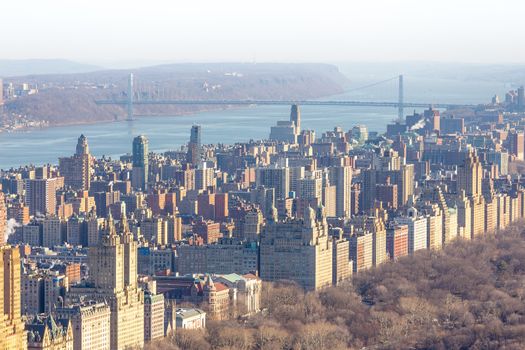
[372,84]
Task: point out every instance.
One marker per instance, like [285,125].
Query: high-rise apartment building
[405,183]
[155,230]
[229,255]
[210,231]
[264,197]
[397,241]
[299,250]
[3,219]
[434,225]
[76,170]
[517,144]
[275,177]
[417,229]
[387,194]
[13,335]
[41,196]
[91,324]
[502,211]
[490,215]
[311,186]
[390,166]
[52,228]
[341,177]
[139,176]
[373,226]
[361,250]
[452,125]
[287,130]
[360,133]
[153,316]
[33,296]
[341,265]
[194,155]
[432,120]
[19,212]
[295,118]
[470,176]
[32,234]
[478,215]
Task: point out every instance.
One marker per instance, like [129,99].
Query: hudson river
[43,146]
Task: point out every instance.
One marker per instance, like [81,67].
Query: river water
[44,146]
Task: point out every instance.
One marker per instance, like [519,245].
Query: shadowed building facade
[139,176]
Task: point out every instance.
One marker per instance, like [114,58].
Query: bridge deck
[285,102]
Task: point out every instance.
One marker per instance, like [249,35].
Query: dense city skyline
[257,200]
[152,242]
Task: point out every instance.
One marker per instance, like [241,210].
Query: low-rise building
[248,291]
[191,319]
[48,333]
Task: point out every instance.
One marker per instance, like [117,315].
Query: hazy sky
[270,30]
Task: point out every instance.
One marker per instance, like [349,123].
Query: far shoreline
[30,129]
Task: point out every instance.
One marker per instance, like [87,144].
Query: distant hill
[11,68]
[504,73]
[70,98]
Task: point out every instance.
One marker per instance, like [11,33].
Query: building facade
[13,334]
[90,323]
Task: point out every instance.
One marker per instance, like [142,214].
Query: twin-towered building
[113,279]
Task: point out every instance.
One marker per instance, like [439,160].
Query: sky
[155,31]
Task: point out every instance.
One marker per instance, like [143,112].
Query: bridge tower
[400,113]
[130,97]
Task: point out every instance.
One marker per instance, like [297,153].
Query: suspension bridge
[142,98]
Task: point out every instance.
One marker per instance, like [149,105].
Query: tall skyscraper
[113,269]
[77,169]
[139,176]
[41,196]
[3,219]
[295,118]
[194,146]
[13,335]
[405,184]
